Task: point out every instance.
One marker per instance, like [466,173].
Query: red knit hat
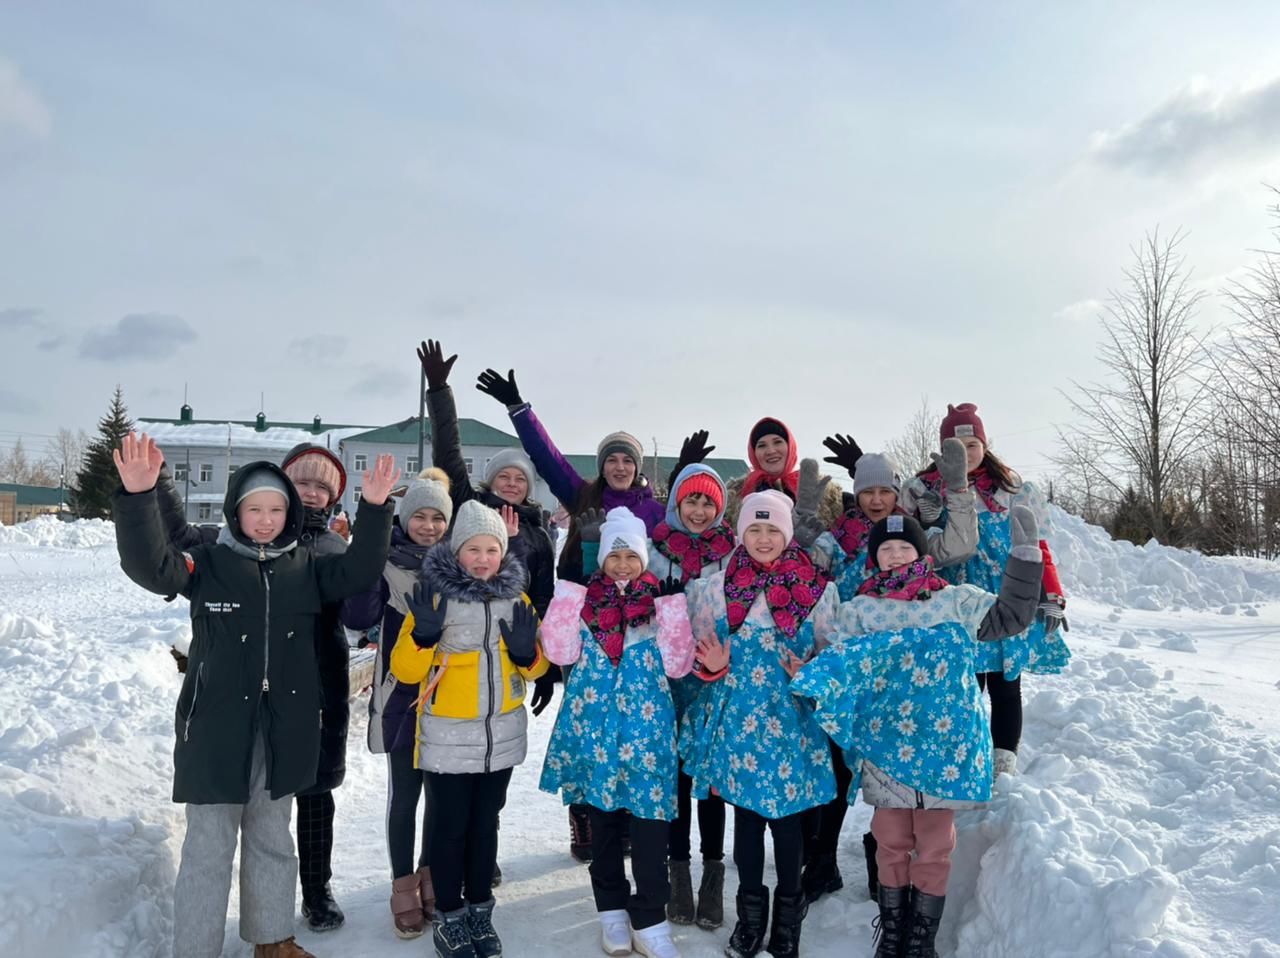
[702,483]
[961,422]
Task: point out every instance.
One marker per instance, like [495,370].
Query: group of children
[772,644]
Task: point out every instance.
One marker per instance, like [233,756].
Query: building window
[362,462]
[180,473]
[411,465]
[204,511]
[469,463]
[206,472]
[358,492]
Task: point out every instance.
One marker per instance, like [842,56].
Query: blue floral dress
[746,735]
[897,691]
[847,571]
[614,742]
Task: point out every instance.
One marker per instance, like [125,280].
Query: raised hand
[431,355]
[521,634]
[1023,530]
[138,461]
[379,480]
[693,449]
[846,452]
[428,615]
[511,519]
[952,465]
[491,383]
[712,654]
[590,521]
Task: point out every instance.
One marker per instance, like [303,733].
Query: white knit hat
[425,494]
[473,519]
[769,506]
[622,529]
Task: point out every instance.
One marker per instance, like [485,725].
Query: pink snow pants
[930,832]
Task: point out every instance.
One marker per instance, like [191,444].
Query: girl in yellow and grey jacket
[470,643]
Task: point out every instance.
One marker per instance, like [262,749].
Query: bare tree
[910,450]
[65,452]
[1142,423]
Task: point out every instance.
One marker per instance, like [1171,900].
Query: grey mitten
[952,465]
[1024,534]
[929,508]
[589,523]
[806,524]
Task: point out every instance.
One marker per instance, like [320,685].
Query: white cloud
[1196,123]
[1086,310]
[22,111]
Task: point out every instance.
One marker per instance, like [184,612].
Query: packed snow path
[1145,820]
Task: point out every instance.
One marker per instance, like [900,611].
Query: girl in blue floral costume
[843,550]
[747,738]
[613,748]
[897,691]
[1041,648]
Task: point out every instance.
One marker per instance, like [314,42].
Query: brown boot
[406,907]
[282,949]
[426,892]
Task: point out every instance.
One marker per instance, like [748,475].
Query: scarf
[689,552]
[980,481]
[792,586]
[609,611]
[915,580]
[264,553]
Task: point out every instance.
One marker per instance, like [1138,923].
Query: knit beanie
[768,427]
[622,442]
[623,529]
[474,518]
[961,422]
[769,506]
[427,491]
[896,527]
[875,470]
[319,464]
[511,459]
[703,484]
[260,479]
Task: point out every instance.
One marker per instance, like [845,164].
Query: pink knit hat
[769,506]
[961,422]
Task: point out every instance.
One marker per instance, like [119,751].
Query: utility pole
[422,417]
[186,495]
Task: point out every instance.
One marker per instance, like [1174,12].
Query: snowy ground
[1146,820]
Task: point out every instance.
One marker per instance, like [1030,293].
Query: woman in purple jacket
[619,480]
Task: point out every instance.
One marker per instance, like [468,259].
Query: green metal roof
[727,468]
[253,423]
[33,495]
[473,432]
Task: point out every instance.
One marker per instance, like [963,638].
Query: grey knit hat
[622,442]
[511,459]
[476,519]
[262,480]
[875,470]
[425,494]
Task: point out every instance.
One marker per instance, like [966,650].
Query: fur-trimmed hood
[445,574]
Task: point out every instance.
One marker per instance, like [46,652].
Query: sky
[663,216]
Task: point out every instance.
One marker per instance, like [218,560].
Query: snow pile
[51,532]
[1154,577]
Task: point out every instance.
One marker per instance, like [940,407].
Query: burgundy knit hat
[961,422]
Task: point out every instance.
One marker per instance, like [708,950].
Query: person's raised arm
[547,459]
[446,440]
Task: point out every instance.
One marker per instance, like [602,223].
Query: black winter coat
[532,545]
[253,658]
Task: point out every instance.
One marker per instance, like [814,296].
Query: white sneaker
[1005,762]
[615,932]
[655,941]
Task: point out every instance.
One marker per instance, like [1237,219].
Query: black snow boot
[320,910]
[579,833]
[711,895]
[788,916]
[680,905]
[451,933]
[891,926]
[926,915]
[821,876]
[484,939]
[753,916]
[873,870]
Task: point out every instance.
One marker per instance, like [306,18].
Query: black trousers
[315,840]
[748,850]
[1006,708]
[710,824]
[822,824]
[405,785]
[464,835]
[609,882]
